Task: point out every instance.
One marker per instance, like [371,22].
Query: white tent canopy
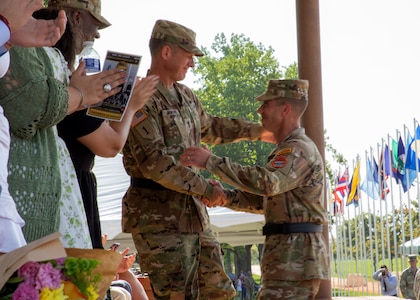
[411,247]
[234,228]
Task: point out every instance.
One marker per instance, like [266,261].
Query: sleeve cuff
[213,162]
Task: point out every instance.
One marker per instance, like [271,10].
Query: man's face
[179,63]
[271,114]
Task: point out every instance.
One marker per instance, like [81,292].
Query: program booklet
[113,107]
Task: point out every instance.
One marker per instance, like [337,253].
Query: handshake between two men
[198,157]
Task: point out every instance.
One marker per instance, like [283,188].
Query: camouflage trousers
[292,290]
[183,266]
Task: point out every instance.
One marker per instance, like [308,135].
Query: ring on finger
[107,88]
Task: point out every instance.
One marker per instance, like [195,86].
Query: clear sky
[370,53]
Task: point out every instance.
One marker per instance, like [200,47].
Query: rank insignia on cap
[279,161]
[139,116]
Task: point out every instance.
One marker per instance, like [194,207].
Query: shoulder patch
[138,117]
[279,161]
[284,151]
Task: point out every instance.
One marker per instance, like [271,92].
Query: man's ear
[165,52]
[287,108]
[76,17]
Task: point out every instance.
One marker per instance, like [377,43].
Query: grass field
[342,268]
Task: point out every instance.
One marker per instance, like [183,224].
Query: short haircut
[155,45]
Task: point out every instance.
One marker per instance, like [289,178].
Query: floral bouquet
[61,278]
[69,274]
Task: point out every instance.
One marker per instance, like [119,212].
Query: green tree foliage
[231,75]
[332,156]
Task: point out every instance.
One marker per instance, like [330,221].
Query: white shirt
[11,236]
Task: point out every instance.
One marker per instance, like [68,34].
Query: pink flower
[29,272]
[48,277]
[25,292]
[60,261]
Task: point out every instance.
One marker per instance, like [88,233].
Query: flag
[410,174]
[394,162]
[353,197]
[413,145]
[370,184]
[384,172]
[340,190]
[398,156]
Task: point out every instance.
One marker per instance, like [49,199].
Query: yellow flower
[56,294]
[91,293]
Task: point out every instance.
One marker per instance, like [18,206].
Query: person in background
[388,281]
[238,286]
[289,190]
[407,278]
[18,25]
[161,208]
[242,278]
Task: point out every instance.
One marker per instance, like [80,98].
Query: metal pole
[309,63]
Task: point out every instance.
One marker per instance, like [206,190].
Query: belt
[287,228]
[146,183]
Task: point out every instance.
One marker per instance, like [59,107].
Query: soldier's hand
[196,157]
[268,137]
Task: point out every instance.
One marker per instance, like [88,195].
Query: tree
[230,77]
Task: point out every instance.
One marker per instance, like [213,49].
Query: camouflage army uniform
[407,283]
[289,189]
[170,225]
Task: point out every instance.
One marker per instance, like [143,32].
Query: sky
[370,53]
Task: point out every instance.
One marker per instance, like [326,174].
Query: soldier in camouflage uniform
[162,208]
[407,279]
[289,190]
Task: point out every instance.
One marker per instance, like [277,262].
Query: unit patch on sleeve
[279,161]
[139,116]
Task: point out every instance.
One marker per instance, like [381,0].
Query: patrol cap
[412,257]
[296,89]
[92,6]
[175,33]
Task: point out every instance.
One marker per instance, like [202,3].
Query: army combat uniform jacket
[288,189]
[166,200]
[407,283]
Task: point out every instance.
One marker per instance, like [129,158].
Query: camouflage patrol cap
[92,6]
[284,88]
[412,257]
[177,34]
